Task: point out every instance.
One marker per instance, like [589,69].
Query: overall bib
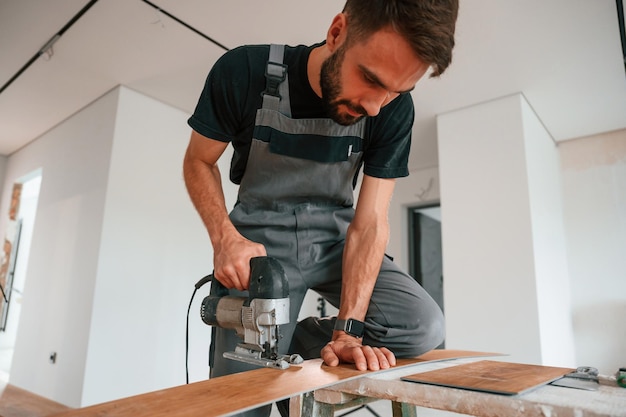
[296,198]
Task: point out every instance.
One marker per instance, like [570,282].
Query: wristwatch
[351,326]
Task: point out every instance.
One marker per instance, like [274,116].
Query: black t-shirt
[232,94]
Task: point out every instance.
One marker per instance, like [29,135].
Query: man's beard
[330,83]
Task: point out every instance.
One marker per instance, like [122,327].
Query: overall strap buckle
[276,93]
[275,73]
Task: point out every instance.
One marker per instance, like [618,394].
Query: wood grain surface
[239,392]
[16,402]
[492,376]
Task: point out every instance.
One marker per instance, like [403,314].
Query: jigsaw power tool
[256,318]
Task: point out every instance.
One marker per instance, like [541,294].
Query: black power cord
[198,285]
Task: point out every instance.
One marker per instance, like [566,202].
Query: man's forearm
[366,241]
[362,258]
[363,254]
[204,185]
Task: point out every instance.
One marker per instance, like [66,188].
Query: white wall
[116,251]
[505,285]
[489,284]
[594,189]
[154,249]
[57,299]
[548,241]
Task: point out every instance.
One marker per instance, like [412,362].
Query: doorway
[19,233]
[425,250]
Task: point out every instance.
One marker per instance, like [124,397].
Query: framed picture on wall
[7,272]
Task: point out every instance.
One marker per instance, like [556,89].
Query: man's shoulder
[403,102]
[253,59]
[400,110]
[258,54]
[248,55]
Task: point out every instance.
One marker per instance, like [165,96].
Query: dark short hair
[428,25]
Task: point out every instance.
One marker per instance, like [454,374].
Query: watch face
[353,327]
[356,328]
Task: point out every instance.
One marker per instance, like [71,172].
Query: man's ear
[337,32]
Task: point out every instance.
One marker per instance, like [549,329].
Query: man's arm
[232,251]
[366,241]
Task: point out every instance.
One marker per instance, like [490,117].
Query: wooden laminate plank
[492,376]
[239,392]
[16,402]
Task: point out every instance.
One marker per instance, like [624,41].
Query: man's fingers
[241,275]
[364,357]
[234,276]
[372,358]
[362,361]
[232,262]
[329,356]
[383,360]
[391,358]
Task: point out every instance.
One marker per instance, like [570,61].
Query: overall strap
[276,94]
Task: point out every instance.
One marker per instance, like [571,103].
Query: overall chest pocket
[312,147]
[319,140]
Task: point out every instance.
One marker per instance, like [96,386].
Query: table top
[547,400]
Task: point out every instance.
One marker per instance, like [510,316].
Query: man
[300,137]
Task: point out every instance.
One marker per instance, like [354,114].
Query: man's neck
[314,66]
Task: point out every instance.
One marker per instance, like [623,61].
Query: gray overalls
[296,198]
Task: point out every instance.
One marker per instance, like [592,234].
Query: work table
[319,390]
[545,401]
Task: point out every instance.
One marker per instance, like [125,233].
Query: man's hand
[345,348]
[232,261]
[232,251]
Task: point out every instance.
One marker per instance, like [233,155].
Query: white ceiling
[563,55]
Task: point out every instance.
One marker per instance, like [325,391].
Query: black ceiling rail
[49,44]
[622,29]
[186,25]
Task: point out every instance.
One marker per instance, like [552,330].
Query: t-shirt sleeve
[219,112]
[389,140]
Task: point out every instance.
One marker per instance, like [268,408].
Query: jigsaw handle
[268,280]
